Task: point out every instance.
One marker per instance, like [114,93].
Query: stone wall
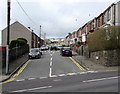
[83,51]
[106,58]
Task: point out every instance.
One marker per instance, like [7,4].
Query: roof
[18,23]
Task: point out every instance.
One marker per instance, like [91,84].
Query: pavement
[13,68]
[84,62]
[92,66]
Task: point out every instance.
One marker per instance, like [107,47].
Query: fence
[2,56]
[18,52]
[13,54]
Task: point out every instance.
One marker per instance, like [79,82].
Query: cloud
[66,1]
[57,17]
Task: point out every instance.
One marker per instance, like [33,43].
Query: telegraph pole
[44,36]
[40,31]
[40,37]
[8,21]
[8,35]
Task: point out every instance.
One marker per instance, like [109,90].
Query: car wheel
[39,56]
[41,53]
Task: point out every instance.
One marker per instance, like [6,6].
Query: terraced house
[109,17]
[18,30]
[90,37]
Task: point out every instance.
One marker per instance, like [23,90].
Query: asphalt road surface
[56,73]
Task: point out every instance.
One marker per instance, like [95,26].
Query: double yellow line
[17,74]
[77,64]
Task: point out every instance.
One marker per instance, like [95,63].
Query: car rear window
[66,48]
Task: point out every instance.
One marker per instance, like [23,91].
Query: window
[109,15]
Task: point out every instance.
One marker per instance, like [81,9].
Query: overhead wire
[25,12]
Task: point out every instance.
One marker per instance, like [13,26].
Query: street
[56,73]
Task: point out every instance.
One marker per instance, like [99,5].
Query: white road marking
[92,71]
[71,73]
[51,58]
[19,90]
[50,74]
[51,54]
[83,72]
[54,76]
[43,77]
[51,63]
[31,78]
[56,80]
[32,89]
[61,74]
[20,80]
[102,79]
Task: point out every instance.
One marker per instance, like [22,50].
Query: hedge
[13,44]
[18,42]
[23,39]
[104,39]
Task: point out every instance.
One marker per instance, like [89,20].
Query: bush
[104,39]
[13,44]
[18,42]
[21,42]
[23,39]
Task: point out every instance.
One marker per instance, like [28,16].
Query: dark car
[66,51]
[59,47]
[35,53]
[53,47]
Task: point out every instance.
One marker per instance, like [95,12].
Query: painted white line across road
[56,80]
[32,89]
[93,80]
[20,80]
[72,74]
[43,77]
[61,75]
[31,78]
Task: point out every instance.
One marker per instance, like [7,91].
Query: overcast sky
[57,17]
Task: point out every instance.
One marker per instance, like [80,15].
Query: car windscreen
[60,46]
[34,50]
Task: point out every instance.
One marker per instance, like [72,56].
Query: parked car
[53,47]
[59,47]
[40,51]
[35,53]
[43,48]
[66,51]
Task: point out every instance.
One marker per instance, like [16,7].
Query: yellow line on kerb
[77,64]
[17,74]
[20,71]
